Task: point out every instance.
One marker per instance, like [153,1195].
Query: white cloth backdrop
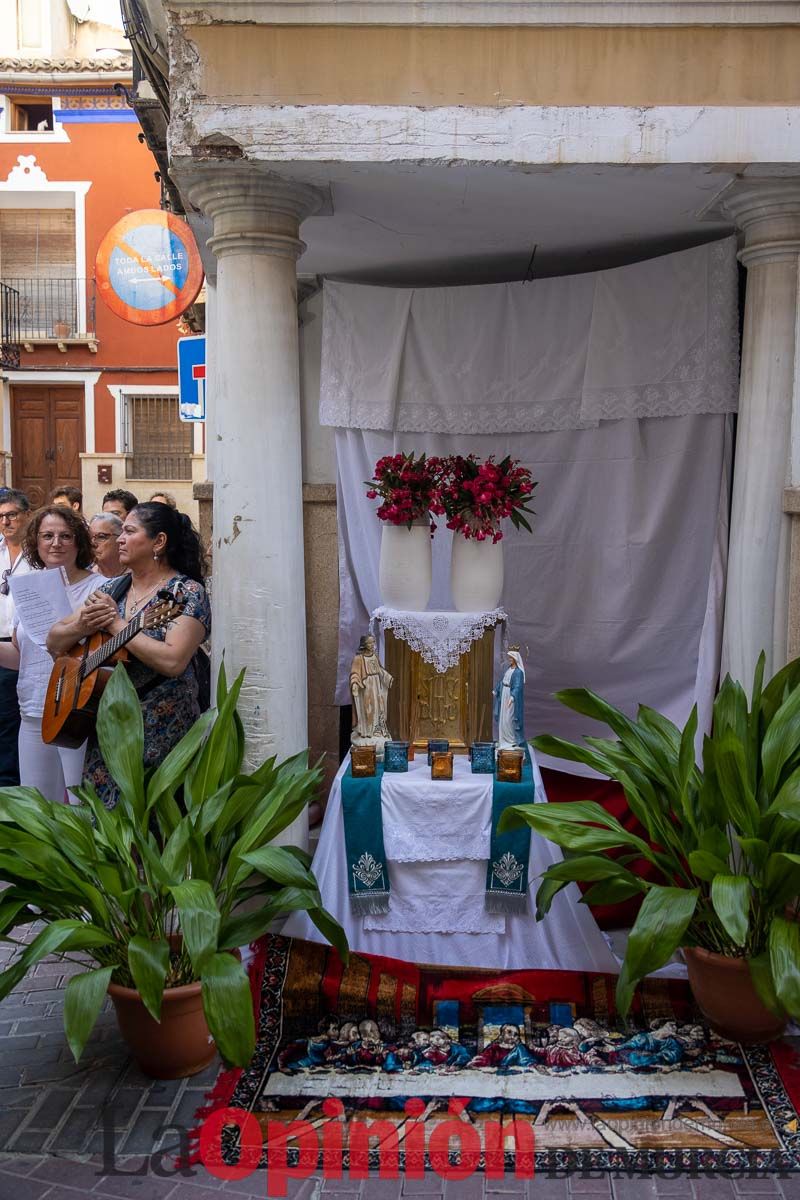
[614,387]
[655,338]
[620,586]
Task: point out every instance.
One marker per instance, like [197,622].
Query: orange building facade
[93,399]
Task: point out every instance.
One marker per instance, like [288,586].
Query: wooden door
[47,439]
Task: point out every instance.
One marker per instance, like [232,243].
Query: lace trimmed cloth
[438,897]
[655,338]
[440,638]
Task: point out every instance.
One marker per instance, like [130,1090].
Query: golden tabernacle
[456,705]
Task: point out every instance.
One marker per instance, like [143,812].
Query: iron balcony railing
[10,342]
[54,308]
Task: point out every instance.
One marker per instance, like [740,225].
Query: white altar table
[436,838]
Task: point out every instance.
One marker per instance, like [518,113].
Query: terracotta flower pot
[177,1046]
[727,997]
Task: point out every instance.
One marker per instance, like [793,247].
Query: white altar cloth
[439,637]
[569,938]
[440,820]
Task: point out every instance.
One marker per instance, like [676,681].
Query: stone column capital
[254,210]
[767,211]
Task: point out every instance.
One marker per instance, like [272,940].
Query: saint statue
[369,687]
[509,703]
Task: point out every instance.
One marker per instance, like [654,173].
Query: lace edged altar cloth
[440,638]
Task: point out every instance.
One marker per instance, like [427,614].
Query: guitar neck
[100,656]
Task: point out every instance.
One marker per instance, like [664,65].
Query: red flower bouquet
[477,496]
[409,488]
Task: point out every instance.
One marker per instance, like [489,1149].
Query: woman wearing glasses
[14,517]
[56,537]
[104,529]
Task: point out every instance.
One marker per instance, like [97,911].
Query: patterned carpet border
[767,1068]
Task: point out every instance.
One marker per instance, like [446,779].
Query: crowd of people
[113,566]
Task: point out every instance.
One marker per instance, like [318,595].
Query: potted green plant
[724,841]
[161,890]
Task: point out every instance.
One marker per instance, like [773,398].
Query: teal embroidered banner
[367,873]
[507,870]
[367,869]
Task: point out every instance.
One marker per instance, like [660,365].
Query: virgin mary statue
[369,687]
[508,703]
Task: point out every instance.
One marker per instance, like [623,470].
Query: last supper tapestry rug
[410,1067]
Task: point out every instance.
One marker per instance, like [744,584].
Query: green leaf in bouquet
[657,932]
[730,895]
[149,964]
[784,956]
[614,890]
[169,774]
[200,919]
[781,743]
[83,1000]
[278,864]
[120,733]
[228,1006]
[546,893]
[330,928]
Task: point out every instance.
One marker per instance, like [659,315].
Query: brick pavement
[57,1120]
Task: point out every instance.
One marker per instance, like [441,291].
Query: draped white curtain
[614,387]
[656,338]
[620,586]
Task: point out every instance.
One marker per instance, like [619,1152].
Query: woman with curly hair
[56,537]
[161,550]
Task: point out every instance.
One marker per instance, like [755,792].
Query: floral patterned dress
[169,705]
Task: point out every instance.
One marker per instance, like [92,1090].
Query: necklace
[138,601]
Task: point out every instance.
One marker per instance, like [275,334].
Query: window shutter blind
[37,243]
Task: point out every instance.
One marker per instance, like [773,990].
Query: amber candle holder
[362,761]
[442,764]
[435,746]
[509,765]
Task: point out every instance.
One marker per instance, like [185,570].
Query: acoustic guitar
[79,678]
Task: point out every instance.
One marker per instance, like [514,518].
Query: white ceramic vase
[476,574]
[405,566]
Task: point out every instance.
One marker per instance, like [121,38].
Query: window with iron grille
[37,259]
[158,442]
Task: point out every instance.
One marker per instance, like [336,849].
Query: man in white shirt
[14,517]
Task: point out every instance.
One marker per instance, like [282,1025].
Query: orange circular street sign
[148,267]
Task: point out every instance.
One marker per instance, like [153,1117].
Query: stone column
[258,590]
[768,434]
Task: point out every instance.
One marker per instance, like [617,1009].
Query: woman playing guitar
[162,551]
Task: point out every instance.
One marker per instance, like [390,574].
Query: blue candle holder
[395,756]
[437,746]
[482,758]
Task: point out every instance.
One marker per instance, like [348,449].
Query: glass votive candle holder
[395,756]
[437,746]
[362,761]
[442,764]
[509,765]
[482,758]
